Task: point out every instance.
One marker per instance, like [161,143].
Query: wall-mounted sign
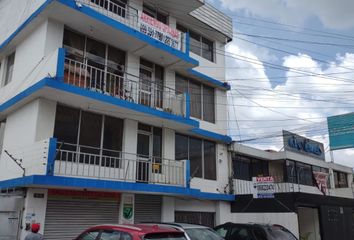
[296,143]
[263,187]
[321,181]
[159,31]
[128,209]
[341,131]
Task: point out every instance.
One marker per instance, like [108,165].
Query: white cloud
[312,98]
[333,14]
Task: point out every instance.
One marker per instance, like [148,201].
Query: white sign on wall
[159,31]
[263,187]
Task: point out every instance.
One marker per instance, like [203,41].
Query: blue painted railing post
[188,105]
[60,64]
[52,152]
[188,173]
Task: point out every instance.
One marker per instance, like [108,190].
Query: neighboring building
[112,111]
[303,200]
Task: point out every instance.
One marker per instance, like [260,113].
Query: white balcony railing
[89,162]
[122,12]
[121,85]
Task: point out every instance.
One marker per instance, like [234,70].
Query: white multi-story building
[111,111]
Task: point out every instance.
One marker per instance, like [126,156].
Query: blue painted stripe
[48,82]
[52,151]
[124,28]
[188,173]
[211,80]
[25,23]
[212,135]
[188,40]
[61,64]
[54,181]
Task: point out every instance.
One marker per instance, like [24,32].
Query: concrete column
[168,146]
[45,119]
[35,209]
[54,37]
[168,209]
[129,148]
[222,213]
[169,91]
[132,69]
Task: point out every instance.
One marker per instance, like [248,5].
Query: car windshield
[202,234]
[279,233]
[165,236]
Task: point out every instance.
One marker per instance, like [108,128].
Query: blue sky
[294,67]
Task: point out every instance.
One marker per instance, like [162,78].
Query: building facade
[311,197]
[112,111]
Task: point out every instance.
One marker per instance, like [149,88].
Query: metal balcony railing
[124,86]
[122,12]
[89,162]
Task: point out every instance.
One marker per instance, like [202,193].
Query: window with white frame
[199,44]
[202,98]
[201,154]
[10,61]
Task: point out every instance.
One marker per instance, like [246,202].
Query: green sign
[341,131]
[128,211]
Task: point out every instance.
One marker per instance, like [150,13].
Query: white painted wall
[194,205]
[288,220]
[36,208]
[10,21]
[26,136]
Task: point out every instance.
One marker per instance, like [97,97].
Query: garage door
[201,218]
[66,219]
[147,208]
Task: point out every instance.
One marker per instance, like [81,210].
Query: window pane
[241,167]
[208,104]
[259,168]
[162,18]
[195,44]
[9,68]
[181,28]
[143,145]
[181,84]
[66,124]
[195,157]
[157,142]
[181,147]
[106,235]
[305,174]
[89,235]
[195,96]
[209,160]
[113,133]
[74,44]
[207,49]
[291,172]
[90,132]
[116,61]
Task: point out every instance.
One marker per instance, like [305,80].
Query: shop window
[199,44]
[291,176]
[244,168]
[304,173]
[201,153]
[340,179]
[202,98]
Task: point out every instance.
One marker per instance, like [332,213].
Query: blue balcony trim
[53,83]
[212,135]
[188,40]
[215,82]
[105,185]
[188,173]
[25,23]
[52,151]
[61,64]
[124,28]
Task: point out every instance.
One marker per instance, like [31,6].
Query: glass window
[181,84]
[154,13]
[195,45]
[181,147]
[195,92]
[208,104]
[74,44]
[92,235]
[202,233]
[290,171]
[207,49]
[9,68]
[165,236]
[222,231]
[116,61]
[260,168]
[209,160]
[195,157]
[304,173]
[259,234]
[340,179]
[241,167]
[112,142]
[110,235]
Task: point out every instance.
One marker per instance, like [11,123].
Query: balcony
[124,86]
[104,164]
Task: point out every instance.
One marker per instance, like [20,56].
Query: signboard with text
[299,144]
[341,131]
[159,31]
[263,187]
[321,181]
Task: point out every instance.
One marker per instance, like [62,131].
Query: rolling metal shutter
[201,218]
[66,219]
[147,208]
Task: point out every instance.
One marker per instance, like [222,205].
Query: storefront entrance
[309,224]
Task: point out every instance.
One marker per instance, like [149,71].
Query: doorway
[309,225]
